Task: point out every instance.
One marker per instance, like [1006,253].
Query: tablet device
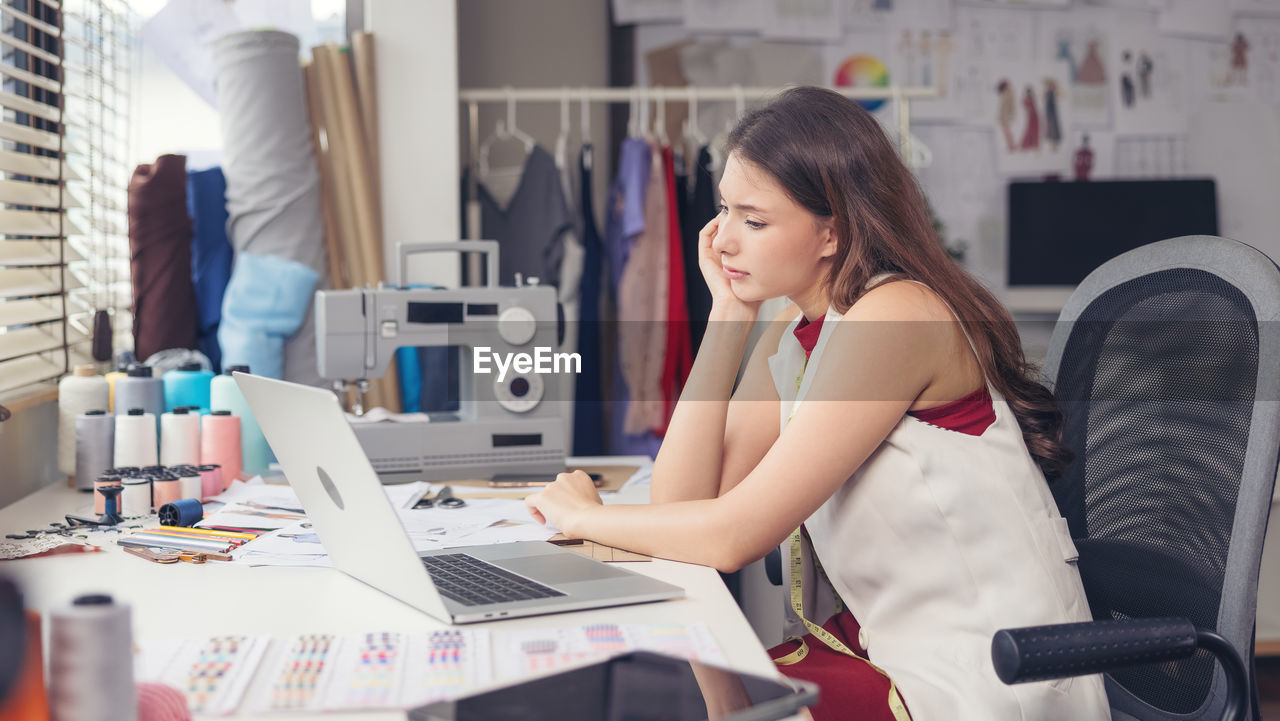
[637,686]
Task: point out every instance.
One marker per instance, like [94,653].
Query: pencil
[159,539]
[208,532]
[196,536]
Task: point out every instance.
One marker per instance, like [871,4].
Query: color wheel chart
[863,71]
[538,651]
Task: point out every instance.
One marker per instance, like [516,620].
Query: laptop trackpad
[560,568]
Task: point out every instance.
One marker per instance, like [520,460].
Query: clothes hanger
[717,143]
[585,123]
[693,137]
[562,140]
[660,118]
[505,130]
[633,113]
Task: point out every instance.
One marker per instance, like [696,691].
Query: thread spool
[77,393]
[220,444]
[187,385]
[165,488]
[135,499]
[160,702]
[225,393]
[210,481]
[179,437]
[99,500]
[95,446]
[135,441]
[188,481]
[139,390]
[185,512]
[123,360]
[111,515]
[91,661]
[27,699]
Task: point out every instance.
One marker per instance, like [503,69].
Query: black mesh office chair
[1166,362]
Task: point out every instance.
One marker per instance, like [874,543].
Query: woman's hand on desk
[560,503]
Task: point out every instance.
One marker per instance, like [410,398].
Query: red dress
[848,687]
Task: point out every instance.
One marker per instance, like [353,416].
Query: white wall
[417,67]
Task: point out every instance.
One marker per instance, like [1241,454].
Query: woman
[1030,131]
[909,445]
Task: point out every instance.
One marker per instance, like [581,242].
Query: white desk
[190,601]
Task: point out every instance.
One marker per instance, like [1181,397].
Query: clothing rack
[900,96]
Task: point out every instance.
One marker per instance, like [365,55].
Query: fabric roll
[211,254]
[273,201]
[267,301]
[164,300]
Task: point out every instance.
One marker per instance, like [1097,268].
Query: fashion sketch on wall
[1030,110]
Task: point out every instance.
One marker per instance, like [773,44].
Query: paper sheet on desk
[256,490]
[212,672]
[329,672]
[380,415]
[481,521]
[537,651]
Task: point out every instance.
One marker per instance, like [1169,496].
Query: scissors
[166,556]
[444,498]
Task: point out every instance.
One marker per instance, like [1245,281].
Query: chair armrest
[1039,653]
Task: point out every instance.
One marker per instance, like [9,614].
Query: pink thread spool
[166,489]
[210,481]
[220,444]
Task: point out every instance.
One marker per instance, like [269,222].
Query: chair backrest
[1166,363]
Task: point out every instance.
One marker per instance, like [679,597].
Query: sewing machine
[508,422]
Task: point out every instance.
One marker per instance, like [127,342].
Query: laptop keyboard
[473,582]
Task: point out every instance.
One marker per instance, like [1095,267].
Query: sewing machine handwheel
[520,394]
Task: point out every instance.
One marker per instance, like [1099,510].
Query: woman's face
[769,246]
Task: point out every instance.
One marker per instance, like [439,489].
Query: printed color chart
[372,670]
[213,673]
[538,651]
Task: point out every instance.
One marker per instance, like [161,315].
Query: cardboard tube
[337,259]
[348,238]
[338,81]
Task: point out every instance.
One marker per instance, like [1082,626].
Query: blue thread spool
[186,512]
[111,514]
[188,385]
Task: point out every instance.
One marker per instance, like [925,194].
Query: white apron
[936,542]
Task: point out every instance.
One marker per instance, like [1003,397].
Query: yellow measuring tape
[896,706]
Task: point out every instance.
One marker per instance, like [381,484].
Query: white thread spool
[189,481]
[77,393]
[91,661]
[180,438]
[135,444]
[95,446]
[135,499]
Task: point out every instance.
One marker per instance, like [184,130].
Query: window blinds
[64,252]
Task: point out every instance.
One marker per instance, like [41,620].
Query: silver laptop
[360,530]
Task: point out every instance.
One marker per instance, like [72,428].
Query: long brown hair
[833,158]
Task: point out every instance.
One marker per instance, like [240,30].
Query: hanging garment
[642,310]
[164,300]
[624,221]
[701,209]
[676,360]
[211,254]
[273,196]
[530,228]
[570,278]
[588,413]
[936,541]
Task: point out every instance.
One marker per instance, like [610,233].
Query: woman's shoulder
[899,300]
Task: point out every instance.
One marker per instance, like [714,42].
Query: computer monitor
[1059,232]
